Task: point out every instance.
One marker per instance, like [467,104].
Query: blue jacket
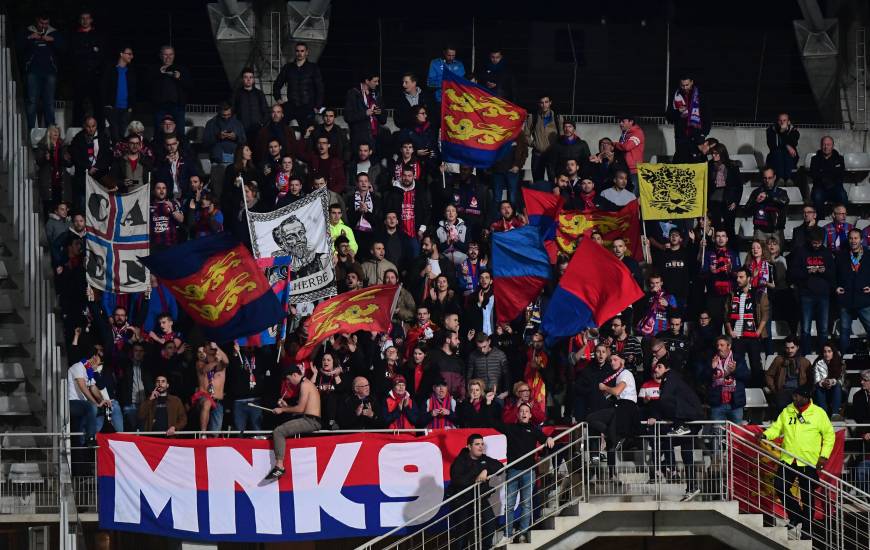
[436,73]
[38,56]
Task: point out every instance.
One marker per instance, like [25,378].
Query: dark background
[620,61]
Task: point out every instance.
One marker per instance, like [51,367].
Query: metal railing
[649,469]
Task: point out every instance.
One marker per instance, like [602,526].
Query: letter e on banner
[172,482]
[226,468]
[310,495]
[410,470]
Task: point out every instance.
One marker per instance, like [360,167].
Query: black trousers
[752,348]
[785,477]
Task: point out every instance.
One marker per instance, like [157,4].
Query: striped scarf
[440,422]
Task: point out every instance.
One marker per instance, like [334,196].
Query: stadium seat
[744,198]
[16,405]
[6,306]
[71,133]
[768,360]
[858,329]
[794,196]
[789,228]
[852,392]
[859,194]
[12,441]
[756,404]
[655,159]
[9,339]
[11,372]
[808,160]
[36,135]
[4,274]
[779,330]
[206,167]
[746,227]
[857,162]
[862,223]
[25,472]
[743,255]
[747,163]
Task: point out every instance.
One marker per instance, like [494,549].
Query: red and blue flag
[477,127]
[277,272]
[596,287]
[543,211]
[217,282]
[520,269]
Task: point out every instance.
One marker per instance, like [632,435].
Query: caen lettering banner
[358,485]
[117,237]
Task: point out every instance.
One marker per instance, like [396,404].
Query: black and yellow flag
[672,191]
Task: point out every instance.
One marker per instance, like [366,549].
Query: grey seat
[11,372]
[15,405]
[25,472]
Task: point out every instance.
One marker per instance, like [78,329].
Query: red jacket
[631,144]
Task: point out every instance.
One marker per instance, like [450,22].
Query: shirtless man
[306,418]
[211,365]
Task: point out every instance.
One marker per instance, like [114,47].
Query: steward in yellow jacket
[806,430]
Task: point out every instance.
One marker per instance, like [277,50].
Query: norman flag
[117,237]
[369,308]
[477,128]
[217,282]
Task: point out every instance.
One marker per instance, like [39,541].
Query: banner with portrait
[117,237]
[300,231]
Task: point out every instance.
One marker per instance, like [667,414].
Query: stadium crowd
[688,350]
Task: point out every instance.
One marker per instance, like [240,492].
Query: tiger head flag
[672,191]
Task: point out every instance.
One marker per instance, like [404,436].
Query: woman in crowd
[479,410]
[52,159]
[724,188]
[828,373]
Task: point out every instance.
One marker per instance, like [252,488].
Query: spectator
[469,196]
[223,134]
[399,247]
[620,419]
[162,412]
[165,218]
[86,49]
[52,157]
[306,417]
[769,203]
[808,439]
[135,375]
[84,397]
[438,410]
[760,270]
[724,189]
[40,48]
[676,264]
[619,195]
[542,132]
[207,219]
[304,88]
[853,289]
[58,223]
[472,466]
[479,409]
[471,270]
[337,227]
[119,93]
[812,271]
[400,412]
[276,129]
[365,115]
[176,168]
[782,142]
[211,364]
[620,250]
[241,172]
[726,381]
[630,145]
[787,373]
[452,234]
[860,413]
[411,201]
[522,439]
[363,163]
[679,404]
[133,169]
[377,266]
[508,218]
[659,302]
[520,396]
[569,146]
[718,269]
[246,372]
[447,62]
[412,96]
[747,315]
[338,143]
[168,127]
[359,410]
[837,232]
[800,235]
[827,169]
[323,164]
[91,154]
[603,166]
[498,77]
[507,173]
[489,365]
[405,157]
[424,136]
[249,104]
[691,116]
[169,88]
[828,375]
[626,346]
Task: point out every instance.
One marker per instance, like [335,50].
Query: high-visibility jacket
[806,435]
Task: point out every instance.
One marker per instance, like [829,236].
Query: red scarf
[439,422]
[402,421]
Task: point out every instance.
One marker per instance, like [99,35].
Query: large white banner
[300,231]
[117,236]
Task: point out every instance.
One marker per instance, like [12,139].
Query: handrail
[434,510]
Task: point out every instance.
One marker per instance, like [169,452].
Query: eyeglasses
[658,349]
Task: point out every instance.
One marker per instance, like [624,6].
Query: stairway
[584,522]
